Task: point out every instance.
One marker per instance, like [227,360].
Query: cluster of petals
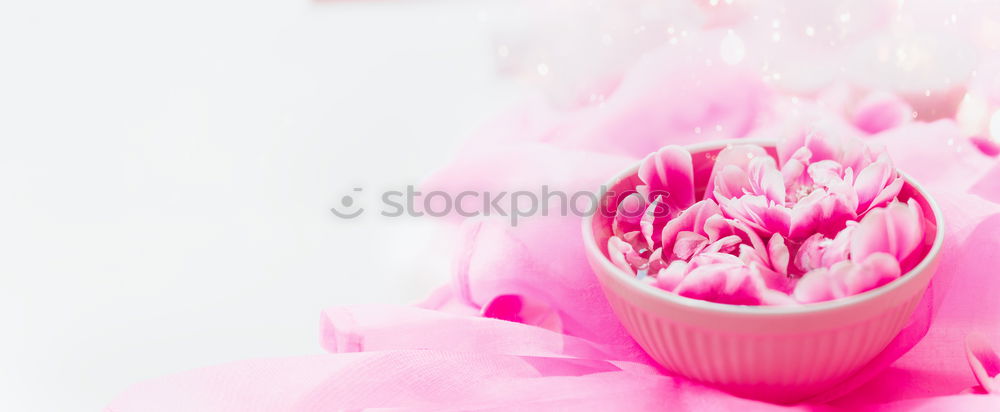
[821,219]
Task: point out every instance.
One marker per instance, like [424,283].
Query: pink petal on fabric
[721,283]
[878,112]
[522,309]
[378,327]
[986,145]
[669,172]
[984,361]
[896,229]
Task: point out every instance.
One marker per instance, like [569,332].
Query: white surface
[166,169]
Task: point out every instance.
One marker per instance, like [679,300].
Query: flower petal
[825,171]
[766,179]
[619,251]
[880,111]
[872,180]
[669,277]
[885,196]
[652,221]
[818,251]
[688,244]
[669,172]
[722,283]
[896,229]
[820,212]
[691,219]
[876,270]
[739,157]
[778,255]
[817,286]
[629,214]
[726,245]
[760,214]
[731,182]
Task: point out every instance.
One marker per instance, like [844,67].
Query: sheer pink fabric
[549,339]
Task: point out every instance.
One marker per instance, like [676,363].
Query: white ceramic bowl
[780,354]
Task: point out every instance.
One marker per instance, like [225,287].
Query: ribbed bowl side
[775,367]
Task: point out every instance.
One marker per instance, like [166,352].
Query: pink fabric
[443,356]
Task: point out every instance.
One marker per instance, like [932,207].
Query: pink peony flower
[819,221]
[822,183]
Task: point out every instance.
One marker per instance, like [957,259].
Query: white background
[166,170]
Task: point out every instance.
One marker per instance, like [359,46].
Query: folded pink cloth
[549,340]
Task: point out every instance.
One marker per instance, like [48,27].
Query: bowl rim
[592,248]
